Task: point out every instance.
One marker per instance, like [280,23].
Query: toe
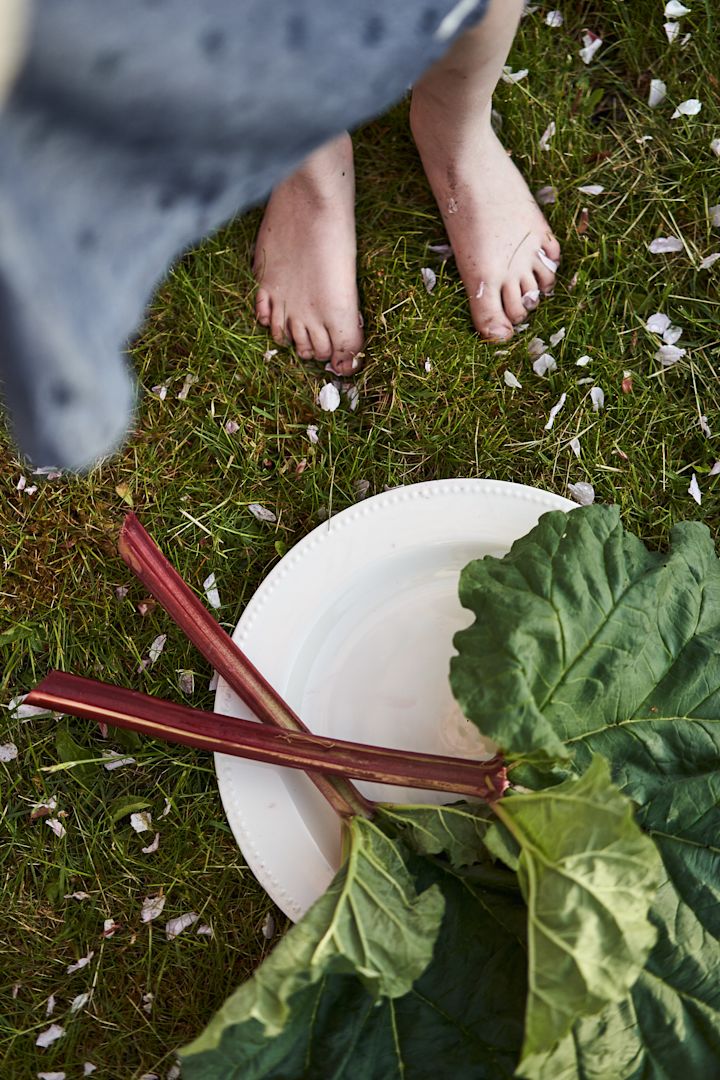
[551,246]
[262,307]
[512,302]
[489,316]
[321,344]
[278,326]
[301,339]
[347,341]
[545,276]
[530,292]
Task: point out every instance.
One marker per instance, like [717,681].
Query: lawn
[432,402]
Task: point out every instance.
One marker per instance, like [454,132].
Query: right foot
[305,260]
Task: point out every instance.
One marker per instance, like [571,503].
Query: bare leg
[494,225]
[305,260]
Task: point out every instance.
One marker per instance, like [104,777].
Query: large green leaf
[606,647]
[463,1017]
[457,830]
[371,922]
[588,875]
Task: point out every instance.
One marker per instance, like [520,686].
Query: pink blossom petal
[694,490]
[582,492]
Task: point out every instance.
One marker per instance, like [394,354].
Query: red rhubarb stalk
[148,563]
[161,719]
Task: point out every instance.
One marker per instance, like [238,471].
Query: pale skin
[305,261]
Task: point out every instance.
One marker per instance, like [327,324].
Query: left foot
[504,249]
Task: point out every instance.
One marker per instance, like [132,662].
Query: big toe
[488,314]
[347,342]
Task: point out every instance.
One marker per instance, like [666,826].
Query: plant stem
[152,716]
[148,563]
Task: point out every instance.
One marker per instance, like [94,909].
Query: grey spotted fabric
[134,129]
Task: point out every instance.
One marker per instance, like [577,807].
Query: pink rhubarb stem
[148,563]
[152,716]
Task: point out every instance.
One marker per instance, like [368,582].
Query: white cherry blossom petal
[582,492]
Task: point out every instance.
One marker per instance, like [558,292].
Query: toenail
[501,332]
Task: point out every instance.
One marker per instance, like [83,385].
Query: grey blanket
[134,129]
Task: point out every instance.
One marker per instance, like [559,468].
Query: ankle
[325,171]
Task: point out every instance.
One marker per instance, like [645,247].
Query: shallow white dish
[354,628]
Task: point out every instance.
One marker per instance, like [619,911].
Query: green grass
[191,483]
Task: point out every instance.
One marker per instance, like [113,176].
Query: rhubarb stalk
[153,716]
[148,563]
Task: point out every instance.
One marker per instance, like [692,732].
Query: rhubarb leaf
[576,624]
[457,830]
[371,922]
[645,693]
[462,1018]
[588,875]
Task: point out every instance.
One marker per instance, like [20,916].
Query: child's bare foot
[305,260]
[504,248]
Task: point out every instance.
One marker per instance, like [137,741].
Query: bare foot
[305,260]
[504,248]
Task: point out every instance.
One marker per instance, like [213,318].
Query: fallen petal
[211,592]
[658,93]
[81,963]
[114,761]
[329,397]
[536,347]
[509,76]
[511,380]
[544,364]
[545,196]
[152,907]
[8,751]
[575,446]
[530,299]
[262,513]
[429,278]
[591,44]
[627,383]
[187,682]
[597,397]
[663,244]
[312,433]
[554,19]
[669,354]
[583,361]
[710,260]
[232,427]
[715,216]
[694,490]
[691,107]
[50,1006]
[675,10]
[57,826]
[176,926]
[51,1076]
[657,323]
[547,262]
[705,427]
[79,1002]
[157,647]
[672,334]
[554,411]
[444,250]
[715,469]
[427,365]
[547,135]
[672,29]
[88,1068]
[141,822]
[582,492]
[592,189]
[557,337]
[76,896]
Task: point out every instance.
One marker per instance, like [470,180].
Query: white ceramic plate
[354,628]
